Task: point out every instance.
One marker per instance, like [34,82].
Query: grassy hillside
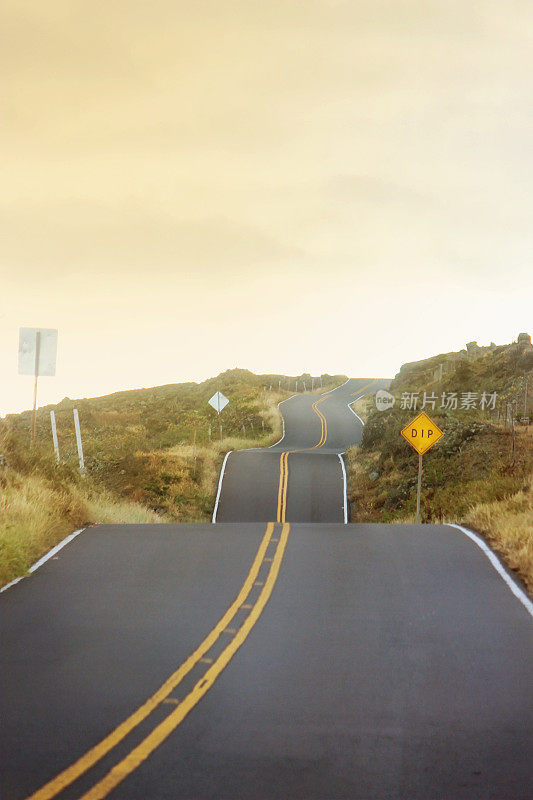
[150,454]
[480,471]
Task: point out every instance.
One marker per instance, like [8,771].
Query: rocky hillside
[504,369]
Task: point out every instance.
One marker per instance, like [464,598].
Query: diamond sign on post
[218,402]
[422,433]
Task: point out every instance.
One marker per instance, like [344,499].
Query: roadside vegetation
[479,474]
[151,455]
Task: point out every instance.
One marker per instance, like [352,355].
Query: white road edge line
[496,563]
[345,488]
[337,387]
[356,415]
[355,412]
[45,558]
[341,454]
[282,421]
[214,518]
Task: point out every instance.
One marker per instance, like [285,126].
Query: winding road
[300,478]
[278,654]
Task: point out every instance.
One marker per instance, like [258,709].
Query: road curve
[300,478]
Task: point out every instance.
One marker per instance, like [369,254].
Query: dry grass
[34,516]
[209,457]
[508,526]
[103,507]
[364,406]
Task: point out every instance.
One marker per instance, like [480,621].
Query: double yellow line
[284,458]
[283,483]
[323,423]
[363,388]
[284,462]
[182,706]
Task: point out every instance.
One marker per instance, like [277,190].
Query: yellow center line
[282,490]
[284,462]
[280,486]
[363,388]
[281,514]
[92,756]
[285,485]
[165,728]
[323,422]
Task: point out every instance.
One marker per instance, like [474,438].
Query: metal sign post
[78,440]
[54,434]
[418,489]
[421,433]
[37,354]
[218,402]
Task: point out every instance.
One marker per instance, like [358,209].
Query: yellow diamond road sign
[422,433]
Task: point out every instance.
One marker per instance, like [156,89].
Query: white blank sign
[47,351]
[218,401]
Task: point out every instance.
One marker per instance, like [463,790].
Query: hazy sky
[282,185]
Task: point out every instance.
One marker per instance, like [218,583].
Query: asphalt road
[317,430]
[271,661]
